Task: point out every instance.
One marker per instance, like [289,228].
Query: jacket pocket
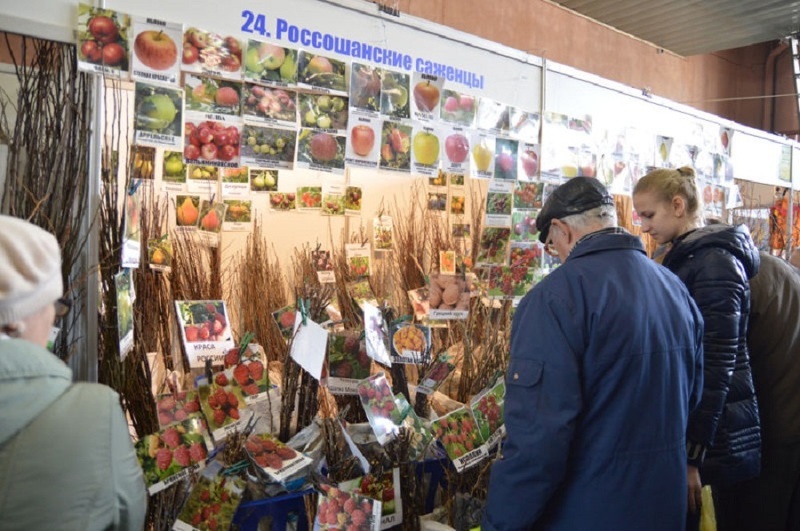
[524,373]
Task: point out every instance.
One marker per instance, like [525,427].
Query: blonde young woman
[723,437]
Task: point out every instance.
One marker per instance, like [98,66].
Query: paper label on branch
[499,201]
[363,145]
[309,346]
[382,233]
[420,303]
[323,265]
[458,204]
[278,461]
[348,363]
[187,212]
[173,453]
[436,375]
[411,343]
[269,106]
[376,334]
[216,55]
[481,161]
[420,435]
[378,401]
[395,147]
[285,318]
[459,435]
[322,73]
[124,287]
[177,407]
[358,259]
[437,201]
[425,96]
[447,262]
[102,34]
[131,239]
[159,116]
[528,162]
[270,64]
[354,450]
[333,514]
[212,502]
[333,200]
[663,150]
[155,53]
[456,143]
[248,374]
[384,488]
[505,156]
[268,147]
[524,125]
[204,331]
[224,408]
[426,150]
[488,408]
[448,296]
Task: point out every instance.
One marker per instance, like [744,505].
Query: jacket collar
[613,238]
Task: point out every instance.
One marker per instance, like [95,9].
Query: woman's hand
[695,488]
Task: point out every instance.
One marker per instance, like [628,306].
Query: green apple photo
[264,61]
[174,167]
[158,109]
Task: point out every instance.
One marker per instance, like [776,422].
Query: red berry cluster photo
[268,452]
[344,511]
[176,407]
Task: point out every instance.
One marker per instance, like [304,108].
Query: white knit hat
[30,269]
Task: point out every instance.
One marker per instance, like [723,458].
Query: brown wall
[542,28]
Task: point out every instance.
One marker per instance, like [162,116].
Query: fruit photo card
[437,373]
[159,116]
[102,39]
[207,52]
[420,436]
[348,363]
[384,488]
[177,407]
[270,64]
[376,334]
[173,453]
[487,410]
[213,501]
[448,296]
[458,433]
[278,461]
[426,97]
[411,343]
[362,148]
[204,331]
[247,373]
[224,407]
[365,89]
[456,150]
[322,74]
[338,510]
[425,150]
[382,412]
[154,55]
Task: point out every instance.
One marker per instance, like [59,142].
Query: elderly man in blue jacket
[606,364]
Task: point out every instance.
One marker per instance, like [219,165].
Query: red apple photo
[530,162]
[103,29]
[113,54]
[456,146]
[190,54]
[91,51]
[426,96]
[362,139]
[155,49]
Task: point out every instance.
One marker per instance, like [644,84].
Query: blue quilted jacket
[715,263]
[606,363]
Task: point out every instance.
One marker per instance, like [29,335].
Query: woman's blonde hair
[667,183]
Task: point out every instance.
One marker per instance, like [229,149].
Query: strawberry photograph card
[213,501]
[177,407]
[224,406]
[173,453]
[338,509]
[348,363]
[384,488]
[274,458]
[378,401]
[458,433]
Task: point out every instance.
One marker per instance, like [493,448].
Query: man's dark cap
[575,196]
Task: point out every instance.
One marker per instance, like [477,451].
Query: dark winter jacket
[774,343]
[606,363]
[715,263]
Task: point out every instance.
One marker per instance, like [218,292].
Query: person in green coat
[66,456]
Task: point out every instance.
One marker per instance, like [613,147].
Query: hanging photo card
[323,265]
[213,501]
[269,106]
[224,407]
[173,172]
[348,363]
[663,150]
[411,343]
[204,331]
[456,150]
[365,89]
[202,179]
[725,137]
[159,254]
[376,334]
[309,198]
[447,262]
[332,515]
[511,283]
[132,233]
[263,180]
[383,233]
[493,116]
[284,318]
[352,200]
[438,181]
[458,204]
[124,287]
[173,453]
[282,201]
[505,159]
[358,259]
[103,41]
[460,230]
[395,91]
[362,147]
[420,304]
[333,199]
[448,297]
[378,402]
[563,138]
[177,407]
[528,195]
[268,147]
[238,215]
[437,201]
[235,182]
[309,346]
[159,116]
[155,56]
[274,458]
[395,147]
[426,95]
[458,433]
[384,488]
[524,125]
[213,142]
[209,96]
[523,225]
[425,150]
[209,53]
[323,112]
[481,165]
[212,218]
[493,246]
[270,64]
[436,374]
[187,211]
[321,73]
[420,436]
[528,167]
[499,200]
[526,254]
[321,151]
[458,108]
[487,409]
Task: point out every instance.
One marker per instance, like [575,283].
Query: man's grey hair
[603,216]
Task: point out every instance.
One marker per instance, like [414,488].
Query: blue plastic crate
[282,510]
